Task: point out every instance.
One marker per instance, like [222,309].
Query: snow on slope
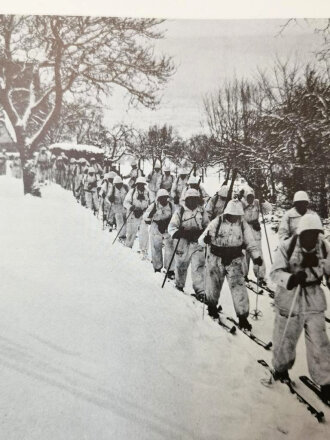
[91,348]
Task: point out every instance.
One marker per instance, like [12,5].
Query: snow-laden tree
[46,60]
[157,143]
[275,132]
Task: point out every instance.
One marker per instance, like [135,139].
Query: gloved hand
[257,261]
[296,279]
[207,238]
[191,235]
[132,208]
[138,212]
[91,185]
[176,200]
[111,199]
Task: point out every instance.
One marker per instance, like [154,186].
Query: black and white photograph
[164,223]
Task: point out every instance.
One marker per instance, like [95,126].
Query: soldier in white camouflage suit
[252,208]
[116,208]
[90,190]
[167,179]
[179,185]
[158,215]
[291,218]
[105,189]
[187,224]
[300,264]
[42,165]
[70,174]
[194,182]
[154,180]
[226,235]
[136,202]
[216,204]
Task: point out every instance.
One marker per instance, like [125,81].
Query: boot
[200,296]
[282,376]
[244,323]
[157,270]
[171,274]
[213,311]
[179,288]
[325,393]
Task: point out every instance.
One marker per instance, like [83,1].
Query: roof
[82,148]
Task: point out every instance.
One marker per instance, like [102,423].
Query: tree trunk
[272,184]
[323,196]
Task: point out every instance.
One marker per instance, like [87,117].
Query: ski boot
[200,296]
[213,311]
[325,394]
[157,270]
[282,376]
[179,288]
[244,323]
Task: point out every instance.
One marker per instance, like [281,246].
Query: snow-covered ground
[91,347]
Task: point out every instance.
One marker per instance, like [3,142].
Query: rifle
[230,191]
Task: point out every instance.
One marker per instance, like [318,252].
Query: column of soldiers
[217,237]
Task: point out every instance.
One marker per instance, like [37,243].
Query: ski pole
[122,227]
[256,313]
[297,292]
[171,261]
[102,201]
[263,221]
[204,296]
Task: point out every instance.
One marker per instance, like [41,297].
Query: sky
[207,54]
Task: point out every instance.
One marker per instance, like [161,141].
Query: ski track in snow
[91,347]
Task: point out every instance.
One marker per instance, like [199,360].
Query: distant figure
[167,179]
[154,180]
[216,204]
[3,162]
[136,202]
[42,165]
[252,208]
[291,218]
[90,190]
[16,168]
[179,185]
[194,182]
[133,174]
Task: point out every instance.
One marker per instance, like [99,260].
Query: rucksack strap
[153,211]
[292,246]
[133,192]
[218,227]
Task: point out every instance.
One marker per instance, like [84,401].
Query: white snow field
[91,347]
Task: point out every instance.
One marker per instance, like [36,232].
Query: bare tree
[47,59]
